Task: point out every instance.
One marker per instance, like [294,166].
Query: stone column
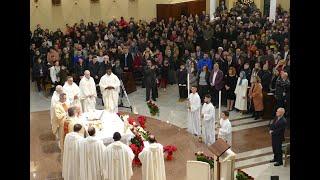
[212,7]
[273,8]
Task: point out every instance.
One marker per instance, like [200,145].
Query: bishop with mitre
[152,161]
[110,88]
[71,157]
[117,160]
[88,92]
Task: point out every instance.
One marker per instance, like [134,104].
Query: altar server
[73,91]
[194,112]
[225,130]
[152,161]
[88,92]
[71,157]
[110,88]
[117,160]
[91,153]
[208,115]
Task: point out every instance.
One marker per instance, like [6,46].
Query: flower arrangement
[136,150]
[142,121]
[153,108]
[137,145]
[204,158]
[169,149]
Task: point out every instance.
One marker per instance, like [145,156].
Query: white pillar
[273,8]
[188,85]
[219,105]
[213,6]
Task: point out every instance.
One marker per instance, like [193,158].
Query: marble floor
[251,140]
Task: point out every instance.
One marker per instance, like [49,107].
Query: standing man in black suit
[150,80]
[277,129]
[126,60]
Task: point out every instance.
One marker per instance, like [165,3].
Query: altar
[106,124]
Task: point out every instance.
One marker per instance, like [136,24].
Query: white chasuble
[117,161]
[194,114]
[71,91]
[209,123]
[73,121]
[54,100]
[91,152]
[88,94]
[110,96]
[71,157]
[152,160]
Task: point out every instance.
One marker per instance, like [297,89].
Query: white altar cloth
[111,123]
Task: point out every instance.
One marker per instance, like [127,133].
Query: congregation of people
[240,53]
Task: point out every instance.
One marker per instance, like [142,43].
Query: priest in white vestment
[88,92]
[194,112]
[208,115]
[241,92]
[73,119]
[110,88]
[225,130]
[71,156]
[60,115]
[73,92]
[91,154]
[55,100]
[152,161]
[117,160]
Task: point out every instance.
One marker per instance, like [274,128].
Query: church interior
[251,147]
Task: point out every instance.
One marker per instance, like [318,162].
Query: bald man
[152,161]
[277,129]
[55,99]
[88,92]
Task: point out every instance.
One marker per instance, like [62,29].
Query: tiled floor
[250,138]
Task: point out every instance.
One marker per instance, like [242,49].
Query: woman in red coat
[256,95]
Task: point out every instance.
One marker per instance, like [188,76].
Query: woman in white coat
[241,92]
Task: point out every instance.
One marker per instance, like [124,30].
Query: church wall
[52,17]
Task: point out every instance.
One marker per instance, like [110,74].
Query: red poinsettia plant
[136,150]
[136,146]
[131,121]
[153,108]
[142,121]
[169,149]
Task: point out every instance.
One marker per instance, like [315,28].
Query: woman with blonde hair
[231,82]
[255,94]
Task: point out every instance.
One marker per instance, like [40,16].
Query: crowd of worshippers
[85,156]
[240,52]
